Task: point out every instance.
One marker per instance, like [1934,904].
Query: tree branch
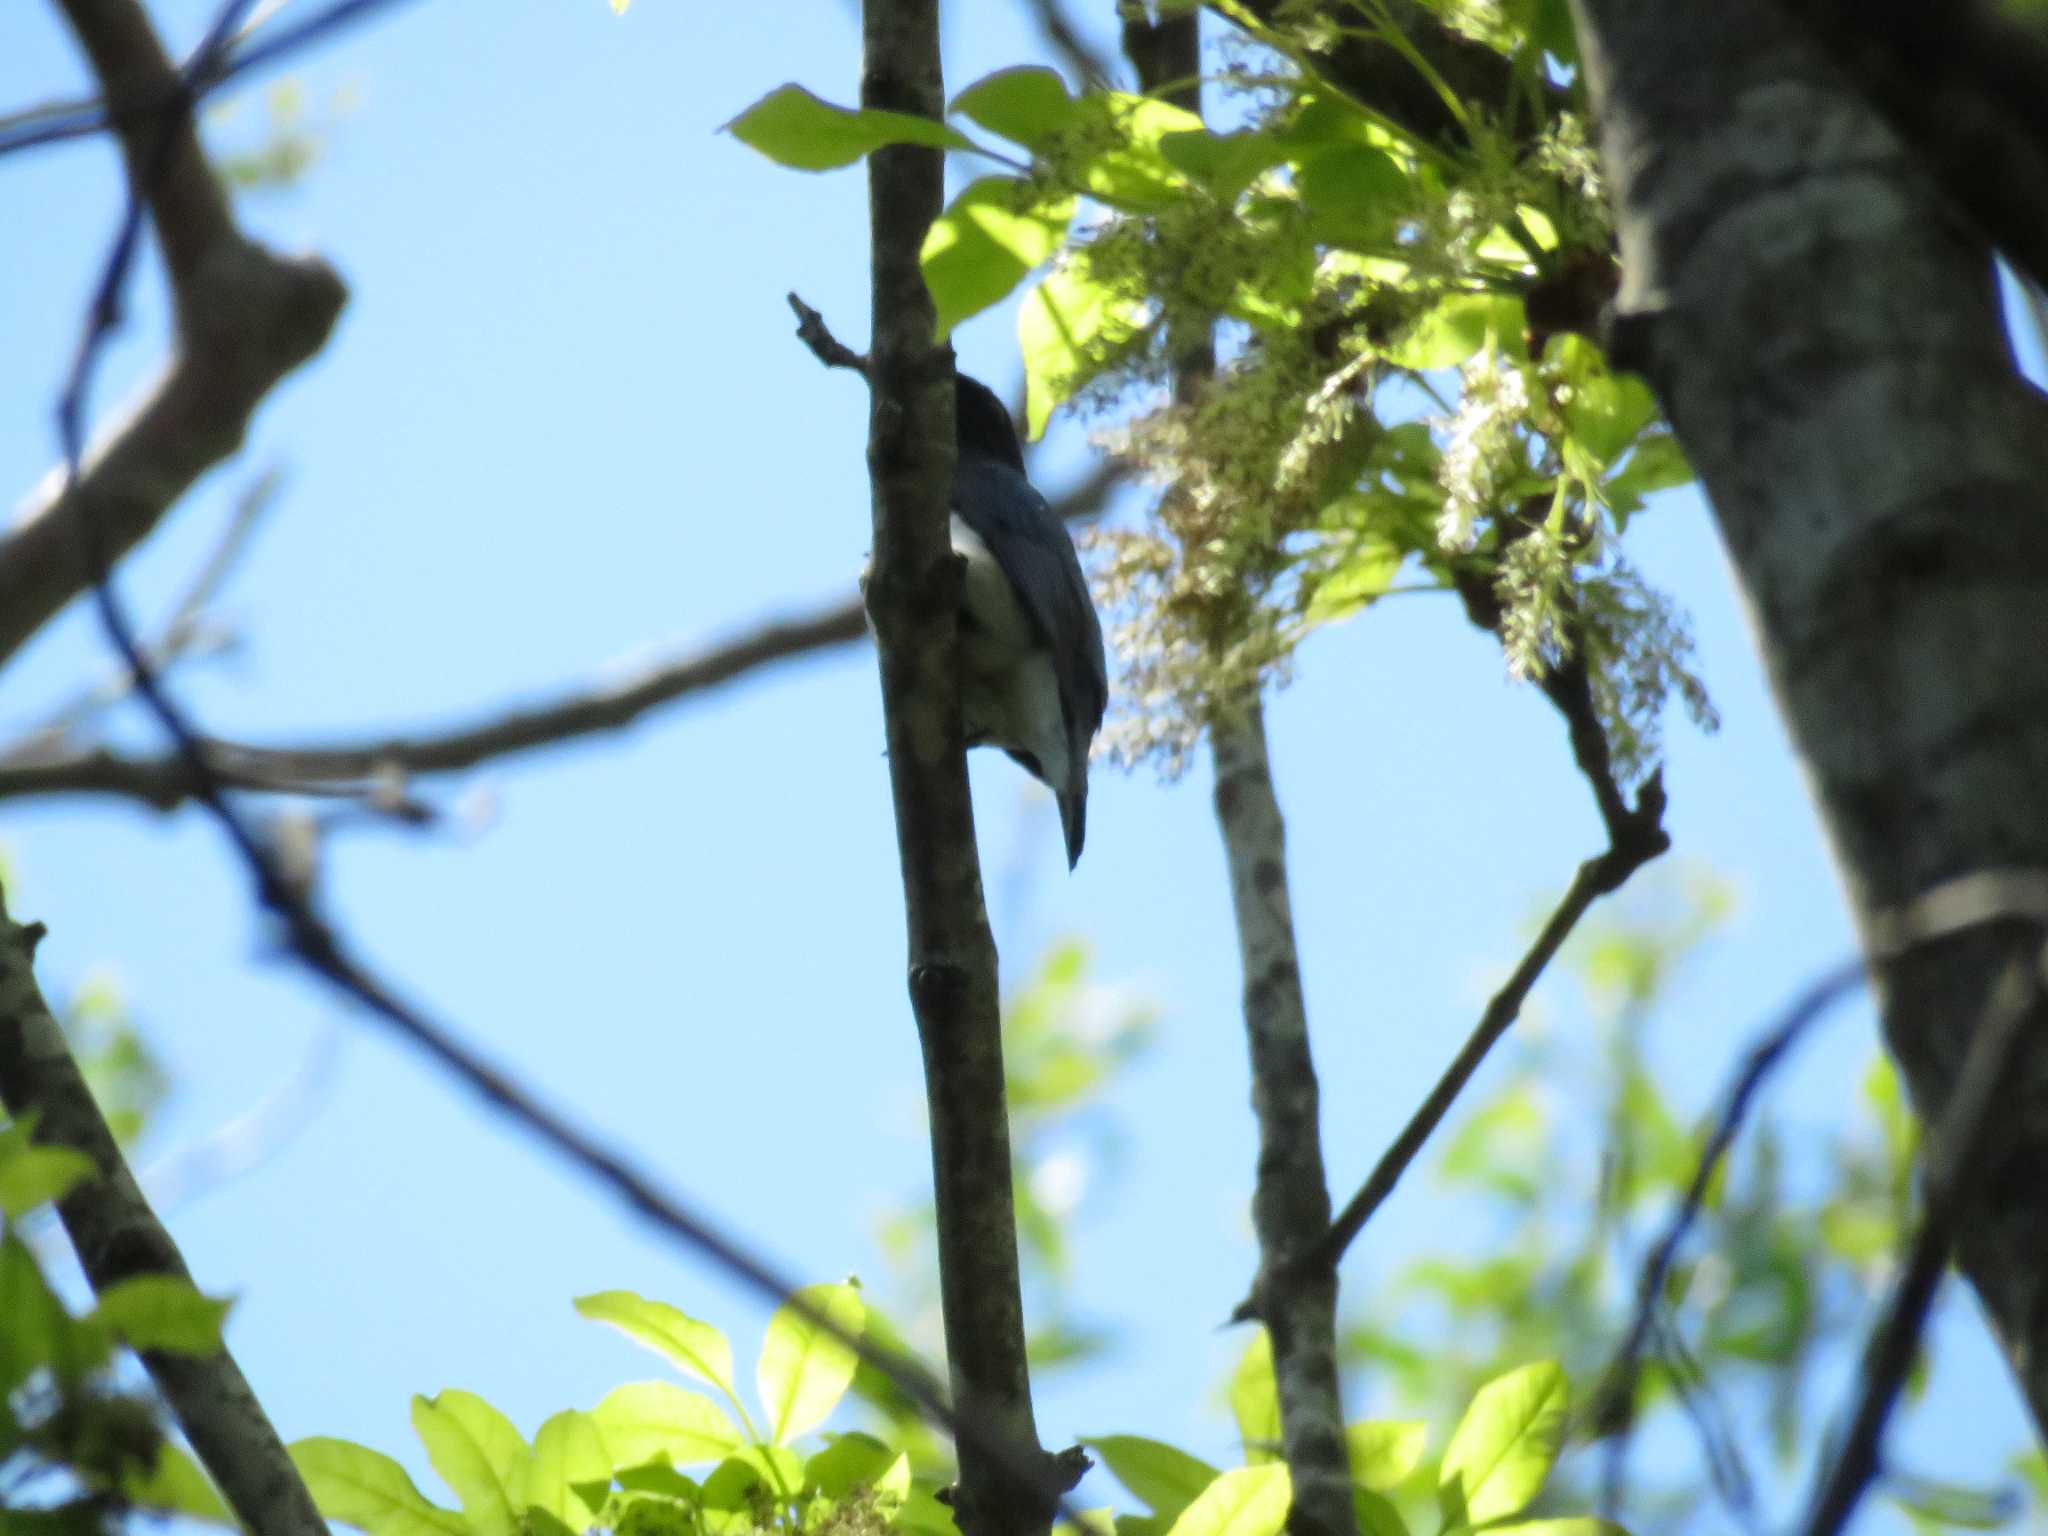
[1297,1303]
[118,1237]
[912,595]
[245,317]
[371,766]
[1966,84]
[1293,1296]
[1635,836]
[166,781]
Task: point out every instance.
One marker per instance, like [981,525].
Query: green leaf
[1255,1400]
[1063,325]
[1603,414]
[1354,194]
[986,243]
[647,1421]
[1504,1447]
[851,1461]
[176,1486]
[1384,1451]
[1376,1514]
[1122,161]
[162,1312]
[1027,105]
[803,1370]
[1363,575]
[479,1455]
[1453,329]
[360,1487]
[32,1175]
[37,1330]
[1246,1501]
[794,128]
[568,1453]
[694,1348]
[1167,1479]
[1224,163]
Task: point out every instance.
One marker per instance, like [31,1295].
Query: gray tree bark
[1824,332]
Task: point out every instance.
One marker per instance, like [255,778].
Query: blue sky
[563,424]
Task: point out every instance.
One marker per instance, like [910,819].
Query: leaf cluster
[1353,271]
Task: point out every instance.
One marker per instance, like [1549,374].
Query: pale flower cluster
[1483,453]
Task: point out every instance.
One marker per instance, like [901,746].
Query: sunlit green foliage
[637,1463]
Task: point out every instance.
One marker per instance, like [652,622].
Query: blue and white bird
[1033,678]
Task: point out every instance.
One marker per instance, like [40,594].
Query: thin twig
[1645,839]
[814,333]
[1635,836]
[369,765]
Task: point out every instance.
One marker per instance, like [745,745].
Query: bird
[1034,680]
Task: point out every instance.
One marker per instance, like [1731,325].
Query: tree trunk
[1825,334]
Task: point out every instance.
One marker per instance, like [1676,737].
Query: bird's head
[983,423]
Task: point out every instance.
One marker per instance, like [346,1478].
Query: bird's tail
[1074,822]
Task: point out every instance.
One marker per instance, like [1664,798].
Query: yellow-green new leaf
[479,1455]
[1384,1451]
[34,1175]
[1165,1478]
[1063,327]
[803,1370]
[568,1452]
[1455,328]
[694,1348]
[986,243]
[794,128]
[1247,1501]
[1027,105]
[1255,1400]
[361,1487]
[1504,1447]
[162,1312]
[646,1421]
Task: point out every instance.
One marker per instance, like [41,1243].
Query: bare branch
[1295,1297]
[245,318]
[814,333]
[117,1237]
[1635,836]
[165,781]
[913,593]
[1595,878]
[371,765]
